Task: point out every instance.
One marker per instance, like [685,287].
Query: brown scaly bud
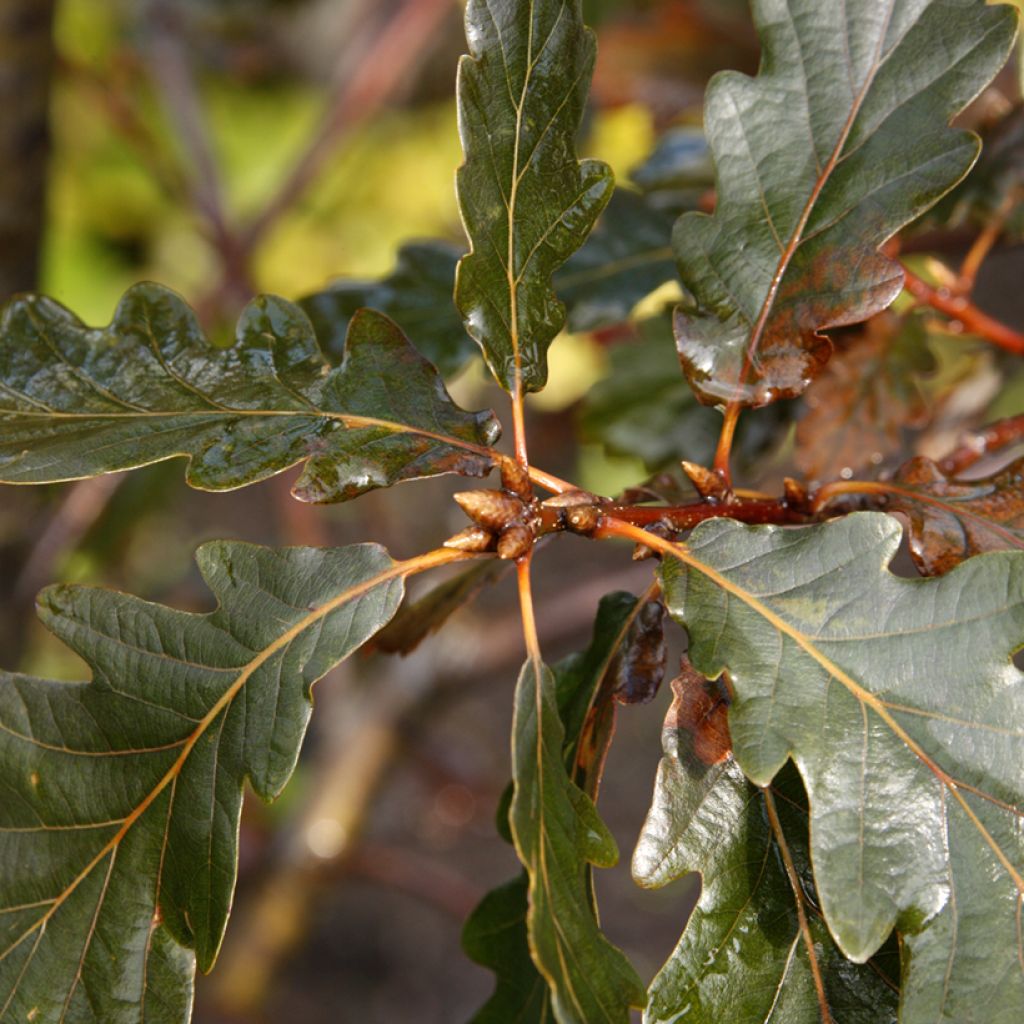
[570,499]
[659,529]
[708,483]
[795,495]
[582,519]
[516,479]
[514,542]
[472,538]
[493,510]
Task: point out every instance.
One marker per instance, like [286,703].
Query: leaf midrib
[796,239]
[397,569]
[805,643]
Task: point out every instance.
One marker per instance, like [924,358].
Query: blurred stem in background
[26,71]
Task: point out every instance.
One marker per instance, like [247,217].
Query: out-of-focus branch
[26,69]
[961,309]
[386,67]
[82,506]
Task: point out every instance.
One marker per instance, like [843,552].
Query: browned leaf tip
[952,519]
[700,707]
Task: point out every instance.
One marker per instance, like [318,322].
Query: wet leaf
[951,519]
[898,702]
[78,401]
[627,257]
[417,295]
[527,202]
[121,796]
[838,142]
[495,935]
[867,397]
[741,956]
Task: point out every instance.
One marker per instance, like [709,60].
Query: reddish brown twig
[961,309]
[977,444]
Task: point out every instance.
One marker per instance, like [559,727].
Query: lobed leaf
[120,797]
[527,202]
[417,295]
[839,141]
[951,519]
[496,935]
[899,704]
[741,956]
[78,401]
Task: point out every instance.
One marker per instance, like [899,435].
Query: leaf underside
[78,401]
[840,140]
[120,797]
[527,202]
[900,706]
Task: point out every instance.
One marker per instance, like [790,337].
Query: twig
[977,444]
[80,509]
[982,245]
[960,308]
[798,897]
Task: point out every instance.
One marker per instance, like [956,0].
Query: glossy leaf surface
[527,202]
[742,956]
[839,141]
[121,796]
[904,714]
[951,519]
[78,401]
[496,933]
[417,295]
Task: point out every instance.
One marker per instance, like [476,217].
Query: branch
[960,308]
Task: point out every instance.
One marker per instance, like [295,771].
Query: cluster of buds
[510,520]
[506,521]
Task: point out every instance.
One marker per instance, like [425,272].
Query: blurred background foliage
[229,147]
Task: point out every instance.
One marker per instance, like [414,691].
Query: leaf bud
[516,479]
[570,499]
[493,510]
[514,542]
[472,538]
[582,519]
[708,483]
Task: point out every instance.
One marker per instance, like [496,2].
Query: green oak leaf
[899,704]
[496,935]
[557,833]
[527,202]
[417,295]
[120,797]
[78,401]
[839,141]
[741,956]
